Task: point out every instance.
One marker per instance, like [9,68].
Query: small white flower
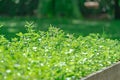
[46,50]
[68,78]
[101,64]
[28,68]
[100,46]
[0,50]
[5,77]
[39,39]
[73,77]
[98,53]
[68,70]
[42,64]
[70,51]
[8,71]
[24,55]
[18,74]
[27,39]
[62,63]
[84,53]
[2,61]
[84,59]
[35,48]
[16,65]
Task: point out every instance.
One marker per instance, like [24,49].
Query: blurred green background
[72,16]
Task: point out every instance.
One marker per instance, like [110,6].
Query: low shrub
[54,55]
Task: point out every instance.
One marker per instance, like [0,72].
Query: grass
[55,55]
[76,26]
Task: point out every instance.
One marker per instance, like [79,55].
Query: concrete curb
[109,73]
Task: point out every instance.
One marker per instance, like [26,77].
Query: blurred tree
[76,10]
[18,7]
[26,7]
[45,8]
[117,9]
[62,8]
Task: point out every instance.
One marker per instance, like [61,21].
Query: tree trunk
[76,11]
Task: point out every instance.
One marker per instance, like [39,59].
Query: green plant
[54,55]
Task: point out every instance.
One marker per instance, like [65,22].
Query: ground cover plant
[54,55]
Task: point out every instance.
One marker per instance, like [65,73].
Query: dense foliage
[54,55]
